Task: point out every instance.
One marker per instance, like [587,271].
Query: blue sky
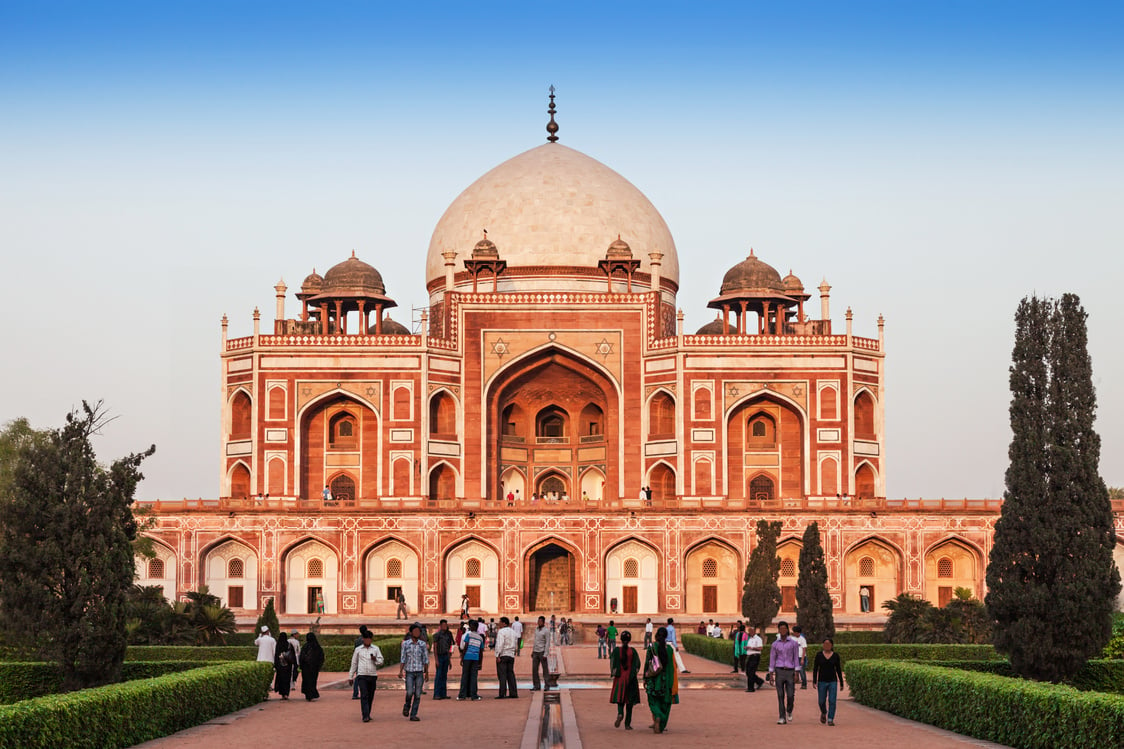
[164,163]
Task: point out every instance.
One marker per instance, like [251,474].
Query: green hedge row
[246,639]
[860,637]
[1013,712]
[336,657]
[25,681]
[723,651]
[129,713]
[1096,676]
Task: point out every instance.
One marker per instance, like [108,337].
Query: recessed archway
[551,577]
[632,578]
[713,575]
[766,435]
[875,566]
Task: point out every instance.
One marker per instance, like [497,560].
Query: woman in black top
[827,677]
[284,658]
[311,661]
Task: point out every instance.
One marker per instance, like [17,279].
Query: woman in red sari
[624,665]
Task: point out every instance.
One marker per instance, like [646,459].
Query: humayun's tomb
[502,451]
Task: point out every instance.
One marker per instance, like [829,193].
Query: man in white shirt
[648,633]
[675,646]
[267,646]
[803,642]
[294,639]
[365,672]
[506,647]
[753,657]
[517,627]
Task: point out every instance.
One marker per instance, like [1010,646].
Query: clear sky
[164,163]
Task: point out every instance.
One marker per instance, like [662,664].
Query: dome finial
[353,253]
[552,126]
[751,252]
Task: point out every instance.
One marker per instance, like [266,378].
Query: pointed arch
[702,478]
[165,575]
[661,412]
[951,563]
[482,586]
[792,450]
[234,592]
[881,575]
[241,407]
[661,479]
[304,593]
[240,480]
[444,481]
[632,576]
[866,480]
[592,481]
[380,586]
[310,466]
[444,415]
[550,570]
[713,572]
[865,406]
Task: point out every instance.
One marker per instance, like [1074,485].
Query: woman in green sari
[661,682]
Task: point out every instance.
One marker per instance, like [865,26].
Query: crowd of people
[658,668]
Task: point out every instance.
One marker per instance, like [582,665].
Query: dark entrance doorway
[550,583]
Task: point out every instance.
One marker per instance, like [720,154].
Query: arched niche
[875,565]
[228,557]
[713,583]
[632,578]
[311,579]
[392,566]
[472,567]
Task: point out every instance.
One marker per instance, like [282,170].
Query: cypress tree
[761,596]
[66,554]
[813,602]
[1051,580]
[268,618]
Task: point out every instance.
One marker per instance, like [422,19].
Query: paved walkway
[714,710]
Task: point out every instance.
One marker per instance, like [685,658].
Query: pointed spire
[552,126]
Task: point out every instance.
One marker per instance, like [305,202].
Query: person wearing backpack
[472,652]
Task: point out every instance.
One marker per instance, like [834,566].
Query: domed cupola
[353,278]
[389,327]
[485,260]
[715,327]
[350,286]
[755,286]
[312,285]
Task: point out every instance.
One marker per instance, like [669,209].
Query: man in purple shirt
[784,659]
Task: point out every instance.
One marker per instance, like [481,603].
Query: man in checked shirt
[784,659]
[414,669]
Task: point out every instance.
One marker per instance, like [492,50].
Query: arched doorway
[551,570]
[473,569]
[949,566]
[713,579]
[765,440]
[230,571]
[789,554]
[442,482]
[875,566]
[865,482]
[339,435]
[563,407]
[392,568]
[632,578]
[311,579]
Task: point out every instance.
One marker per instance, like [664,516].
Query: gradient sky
[164,163]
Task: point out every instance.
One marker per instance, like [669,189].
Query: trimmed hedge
[1096,676]
[723,651]
[336,657]
[246,639]
[25,681]
[860,637]
[121,715]
[1015,712]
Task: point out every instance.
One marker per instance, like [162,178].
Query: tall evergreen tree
[66,557]
[813,602]
[268,618]
[761,596]
[1051,563]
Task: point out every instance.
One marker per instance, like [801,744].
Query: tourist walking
[611,636]
[402,611]
[648,633]
[827,678]
[517,626]
[365,663]
[660,680]
[539,648]
[311,661]
[443,650]
[784,659]
[602,643]
[624,667]
[358,643]
[506,647]
[295,642]
[472,651]
[753,647]
[414,668]
[798,634]
[740,639]
[675,646]
[464,605]
[267,646]
[283,662]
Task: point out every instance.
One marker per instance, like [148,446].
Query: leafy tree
[16,435]
[268,618]
[66,555]
[907,613]
[1051,559]
[761,596]
[813,602]
[973,620]
[1116,492]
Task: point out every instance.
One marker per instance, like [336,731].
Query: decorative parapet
[320,341]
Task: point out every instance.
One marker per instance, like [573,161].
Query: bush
[723,651]
[859,637]
[1014,712]
[121,715]
[336,657]
[1115,646]
[246,639]
[25,681]
[1096,676]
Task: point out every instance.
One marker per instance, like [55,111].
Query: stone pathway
[714,710]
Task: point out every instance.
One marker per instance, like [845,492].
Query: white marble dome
[552,206]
